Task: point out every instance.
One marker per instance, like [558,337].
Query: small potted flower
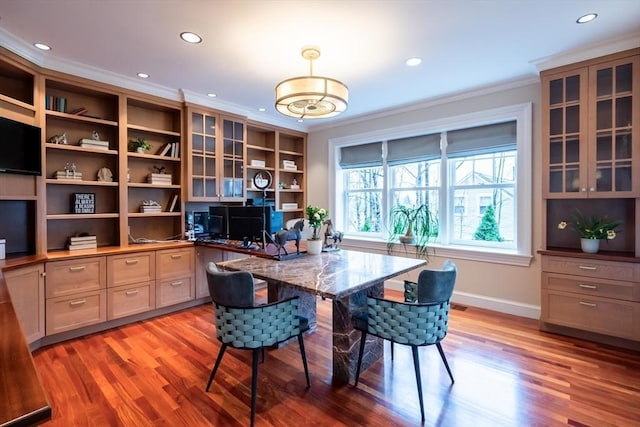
[591,230]
[139,145]
[316,217]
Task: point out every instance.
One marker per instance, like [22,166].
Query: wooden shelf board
[292,153]
[81,182]
[152,156]
[78,148]
[147,185]
[260,148]
[18,103]
[145,215]
[153,130]
[79,118]
[82,216]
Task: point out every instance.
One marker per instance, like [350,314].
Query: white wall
[501,287]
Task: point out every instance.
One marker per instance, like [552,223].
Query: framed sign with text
[84,203]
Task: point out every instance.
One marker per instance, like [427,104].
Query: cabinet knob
[584,190]
[592,189]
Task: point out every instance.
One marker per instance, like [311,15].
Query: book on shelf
[78,246]
[95,142]
[79,111]
[150,209]
[159,178]
[82,239]
[165,149]
[172,203]
[68,175]
[174,151]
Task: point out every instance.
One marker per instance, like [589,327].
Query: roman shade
[482,139]
[361,156]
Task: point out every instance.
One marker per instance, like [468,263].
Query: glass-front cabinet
[202,162]
[233,154]
[591,120]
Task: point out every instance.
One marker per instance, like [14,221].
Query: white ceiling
[250,45]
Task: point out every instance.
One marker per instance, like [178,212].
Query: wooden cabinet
[175,276]
[216,153]
[592,295]
[130,284]
[17,88]
[154,178]
[26,287]
[72,167]
[76,294]
[204,256]
[591,128]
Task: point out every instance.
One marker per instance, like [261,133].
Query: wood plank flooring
[507,372]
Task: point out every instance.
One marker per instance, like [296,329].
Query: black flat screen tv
[20,148]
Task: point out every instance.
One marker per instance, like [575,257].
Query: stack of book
[170,149]
[150,208]
[68,175]
[94,143]
[159,179]
[289,164]
[82,242]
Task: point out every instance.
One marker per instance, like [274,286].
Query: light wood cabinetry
[26,287]
[159,124]
[130,284]
[204,256]
[18,84]
[76,294]
[591,163]
[175,275]
[592,295]
[591,134]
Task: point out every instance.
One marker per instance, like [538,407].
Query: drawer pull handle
[176,284]
[176,256]
[77,268]
[131,293]
[588,304]
[131,261]
[588,267]
[77,302]
[585,286]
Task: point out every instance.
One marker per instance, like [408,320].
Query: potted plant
[411,225]
[316,217]
[139,144]
[591,230]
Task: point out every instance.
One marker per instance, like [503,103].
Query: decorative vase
[140,150]
[590,246]
[314,247]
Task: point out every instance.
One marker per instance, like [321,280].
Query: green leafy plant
[140,142]
[488,229]
[592,227]
[316,217]
[412,226]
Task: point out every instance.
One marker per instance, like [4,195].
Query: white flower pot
[140,150]
[590,246]
[314,247]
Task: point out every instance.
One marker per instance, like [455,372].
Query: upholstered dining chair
[242,325]
[421,320]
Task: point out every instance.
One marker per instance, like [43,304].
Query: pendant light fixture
[311,97]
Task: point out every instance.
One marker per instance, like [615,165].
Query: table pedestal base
[346,340]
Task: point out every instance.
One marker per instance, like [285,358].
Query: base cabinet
[592,295]
[76,311]
[26,288]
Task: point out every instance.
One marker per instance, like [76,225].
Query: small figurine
[70,170]
[105,175]
[58,139]
[95,136]
[335,235]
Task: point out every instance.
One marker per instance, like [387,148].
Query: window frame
[521,254]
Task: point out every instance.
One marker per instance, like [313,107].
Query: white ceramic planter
[590,246]
[314,247]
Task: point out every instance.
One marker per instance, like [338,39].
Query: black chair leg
[416,365]
[363,339]
[391,342]
[254,384]
[444,359]
[304,359]
[217,364]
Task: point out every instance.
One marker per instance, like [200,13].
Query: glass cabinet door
[612,164]
[233,148]
[567,139]
[203,172]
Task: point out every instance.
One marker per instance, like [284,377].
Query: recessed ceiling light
[42,46]
[587,18]
[212,95]
[412,62]
[262,109]
[143,75]
[300,121]
[190,37]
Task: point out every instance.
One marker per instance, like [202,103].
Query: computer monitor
[218,222]
[246,222]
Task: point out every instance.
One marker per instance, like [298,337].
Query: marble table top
[330,274]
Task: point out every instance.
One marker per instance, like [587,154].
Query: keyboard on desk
[212,241]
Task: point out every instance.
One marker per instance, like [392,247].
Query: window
[474,173]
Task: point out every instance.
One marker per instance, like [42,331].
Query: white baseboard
[481,301]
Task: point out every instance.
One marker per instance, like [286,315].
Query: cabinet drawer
[78,275]
[175,263]
[175,291]
[592,268]
[591,313]
[628,291]
[130,299]
[130,268]
[83,309]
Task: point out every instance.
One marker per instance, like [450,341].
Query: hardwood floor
[508,373]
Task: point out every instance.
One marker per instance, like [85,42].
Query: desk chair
[241,324]
[421,320]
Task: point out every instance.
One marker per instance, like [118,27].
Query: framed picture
[84,203]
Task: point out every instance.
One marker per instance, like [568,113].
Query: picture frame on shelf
[84,203]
